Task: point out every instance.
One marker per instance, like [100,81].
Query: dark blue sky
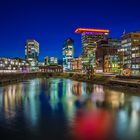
[50,22]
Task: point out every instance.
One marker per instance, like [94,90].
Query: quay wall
[8,78]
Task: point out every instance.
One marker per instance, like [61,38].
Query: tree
[90,72]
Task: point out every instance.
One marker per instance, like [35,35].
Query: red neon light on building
[81,30]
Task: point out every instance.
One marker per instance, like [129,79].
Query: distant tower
[46,60]
[53,61]
[32,52]
[68,53]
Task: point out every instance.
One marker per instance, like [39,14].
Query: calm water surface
[64,109]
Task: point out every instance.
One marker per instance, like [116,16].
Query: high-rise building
[90,37]
[68,53]
[32,52]
[130,45]
[107,56]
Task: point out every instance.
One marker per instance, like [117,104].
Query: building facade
[130,46]
[13,65]
[32,53]
[68,54]
[107,56]
[53,61]
[51,68]
[90,37]
[76,64]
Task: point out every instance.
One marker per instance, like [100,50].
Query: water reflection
[92,124]
[114,98]
[12,98]
[54,96]
[62,108]
[31,101]
[135,101]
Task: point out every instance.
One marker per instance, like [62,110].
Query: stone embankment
[8,78]
[133,81]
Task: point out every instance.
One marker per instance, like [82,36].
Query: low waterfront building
[130,45]
[14,65]
[51,68]
[41,64]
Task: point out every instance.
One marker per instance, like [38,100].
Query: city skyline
[51,22]
[70,69]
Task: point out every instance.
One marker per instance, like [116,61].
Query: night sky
[50,22]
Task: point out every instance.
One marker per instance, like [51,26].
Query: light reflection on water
[62,109]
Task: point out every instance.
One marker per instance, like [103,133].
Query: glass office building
[90,37]
[68,54]
[130,45]
[32,53]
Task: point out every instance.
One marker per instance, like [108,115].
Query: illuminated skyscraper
[68,54]
[89,44]
[130,45]
[32,52]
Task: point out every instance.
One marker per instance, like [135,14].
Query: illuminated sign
[81,30]
[126,72]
